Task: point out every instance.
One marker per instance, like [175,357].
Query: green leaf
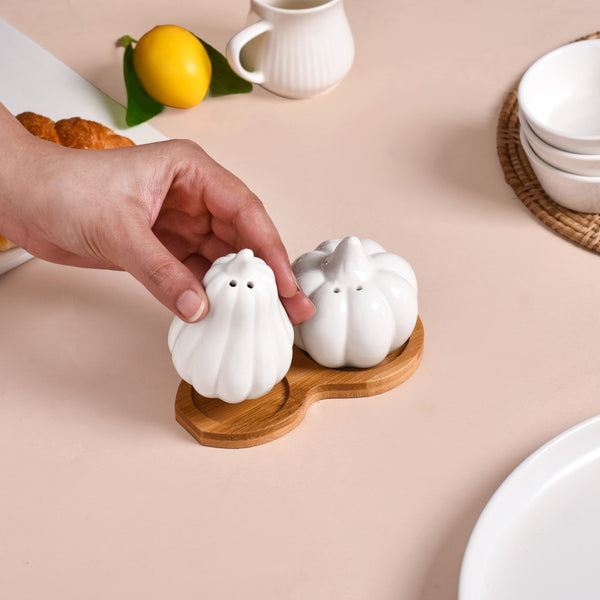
[224,80]
[140,106]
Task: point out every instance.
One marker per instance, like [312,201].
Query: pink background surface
[104,495]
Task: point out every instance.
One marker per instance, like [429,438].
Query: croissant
[72,133]
[6,244]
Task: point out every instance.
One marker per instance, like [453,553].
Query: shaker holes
[233,283]
[358,288]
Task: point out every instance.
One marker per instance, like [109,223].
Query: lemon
[172,66]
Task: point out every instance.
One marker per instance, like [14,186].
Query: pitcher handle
[234,48]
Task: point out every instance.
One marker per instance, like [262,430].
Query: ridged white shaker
[243,347]
[366,301]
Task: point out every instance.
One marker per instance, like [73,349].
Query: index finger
[240,219]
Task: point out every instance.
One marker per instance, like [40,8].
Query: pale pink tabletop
[104,495]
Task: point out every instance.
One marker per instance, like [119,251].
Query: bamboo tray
[213,422]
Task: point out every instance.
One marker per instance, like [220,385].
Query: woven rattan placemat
[581,228]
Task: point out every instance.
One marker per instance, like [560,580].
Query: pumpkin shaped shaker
[366,301]
[243,347]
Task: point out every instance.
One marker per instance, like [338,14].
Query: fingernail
[190,305]
[295,283]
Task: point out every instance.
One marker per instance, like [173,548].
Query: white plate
[539,536]
[9,259]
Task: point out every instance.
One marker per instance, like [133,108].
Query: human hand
[164,212]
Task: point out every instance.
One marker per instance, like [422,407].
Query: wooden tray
[252,422]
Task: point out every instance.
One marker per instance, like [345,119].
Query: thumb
[169,280]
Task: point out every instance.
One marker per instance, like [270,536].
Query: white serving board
[10,259]
[539,535]
[35,80]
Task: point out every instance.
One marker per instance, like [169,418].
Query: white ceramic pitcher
[297,48]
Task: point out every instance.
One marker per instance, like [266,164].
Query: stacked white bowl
[559,113]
